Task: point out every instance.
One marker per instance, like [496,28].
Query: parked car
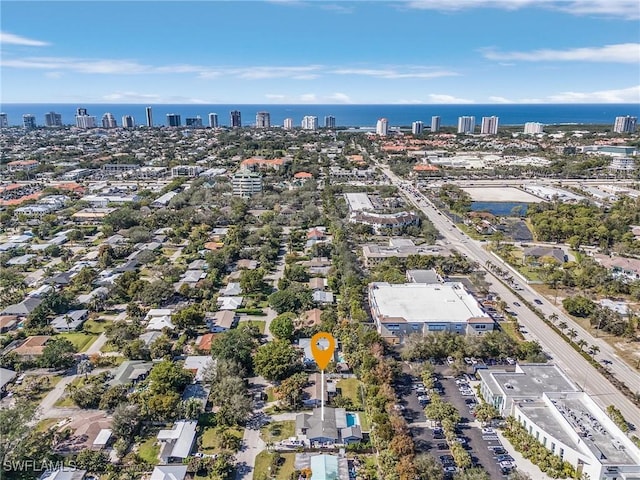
[537,301]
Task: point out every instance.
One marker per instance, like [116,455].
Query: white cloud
[11,39]
[627,9]
[623,95]
[308,98]
[340,98]
[337,8]
[395,73]
[500,100]
[54,75]
[136,97]
[275,96]
[441,98]
[619,53]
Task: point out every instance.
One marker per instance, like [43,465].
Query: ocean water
[345,115]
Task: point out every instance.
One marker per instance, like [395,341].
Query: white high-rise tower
[466,125]
[382,127]
[489,125]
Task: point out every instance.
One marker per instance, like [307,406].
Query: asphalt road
[576,367]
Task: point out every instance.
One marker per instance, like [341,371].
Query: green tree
[14,426]
[126,421]
[277,360]
[428,467]
[579,306]
[235,345]
[472,474]
[92,461]
[188,317]
[167,376]
[290,391]
[282,326]
[252,281]
[58,353]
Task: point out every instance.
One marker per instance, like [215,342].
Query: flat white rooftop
[500,194]
[358,202]
[422,302]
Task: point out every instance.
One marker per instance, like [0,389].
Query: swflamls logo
[33,465]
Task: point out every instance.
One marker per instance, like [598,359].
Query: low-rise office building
[246,183]
[402,309]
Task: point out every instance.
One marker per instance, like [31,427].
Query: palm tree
[593,350]
[562,325]
[553,317]
[581,343]
[571,333]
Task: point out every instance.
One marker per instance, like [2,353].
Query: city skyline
[588,53]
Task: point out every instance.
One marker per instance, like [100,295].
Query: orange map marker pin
[323,356]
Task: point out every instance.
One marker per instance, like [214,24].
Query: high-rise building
[329,121]
[4,120]
[309,122]
[625,124]
[128,121]
[532,128]
[213,120]
[288,124]
[149,116]
[466,124]
[263,120]
[489,125]
[173,120]
[417,127]
[108,121]
[236,119]
[29,121]
[52,119]
[84,120]
[435,124]
[195,122]
[382,127]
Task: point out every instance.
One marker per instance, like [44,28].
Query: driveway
[96,346]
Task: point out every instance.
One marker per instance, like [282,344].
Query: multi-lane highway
[578,368]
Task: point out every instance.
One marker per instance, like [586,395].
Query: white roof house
[158,323]
[230,303]
[169,472]
[70,321]
[198,364]
[177,442]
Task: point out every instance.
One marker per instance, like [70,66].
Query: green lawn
[350,388]
[149,450]
[260,324]
[277,431]
[365,424]
[270,395]
[46,424]
[81,341]
[263,461]
[510,329]
[211,438]
[96,325]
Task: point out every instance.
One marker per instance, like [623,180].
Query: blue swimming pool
[352,419]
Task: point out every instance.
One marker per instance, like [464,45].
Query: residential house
[149,337]
[6,377]
[221,321]
[169,472]
[317,283]
[70,321]
[323,466]
[337,427]
[8,323]
[620,267]
[176,444]
[32,347]
[198,365]
[231,289]
[22,309]
[64,473]
[310,318]
[159,318]
[230,303]
[313,392]
[131,371]
[88,433]
[203,342]
[534,255]
[247,264]
[322,297]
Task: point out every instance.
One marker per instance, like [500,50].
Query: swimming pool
[352,419]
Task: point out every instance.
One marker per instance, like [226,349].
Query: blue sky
[288,51]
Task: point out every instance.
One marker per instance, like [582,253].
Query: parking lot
[427,439]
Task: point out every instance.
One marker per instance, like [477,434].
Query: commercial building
[435,124]
[329,121]
[263,120]
[52,119]
[533,128]
[402,309]
[246,183]
[84,120]
[4,120]
[213,120]
[194,122]
[149,116]
[622,164]
[381,223]
[108,121]
[489,125]
[128,121]
[358,202]
[564,419]
[382,127]
[625,124]
[466,124]
[288,124]
[173,120]
[397,248]
[417,128]
[186,171]
[309,122]
[235,119]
